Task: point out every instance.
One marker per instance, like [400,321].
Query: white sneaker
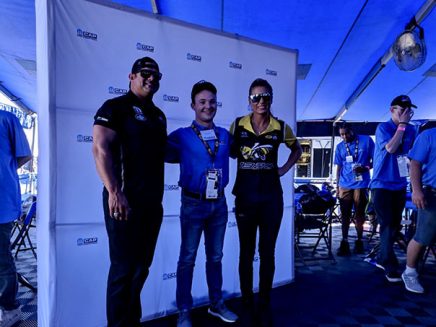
[9,317]
[411,282]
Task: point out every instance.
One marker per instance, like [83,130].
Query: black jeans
[388,206]
[131,248]
[251,216]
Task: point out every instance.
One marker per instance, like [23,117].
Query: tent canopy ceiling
[338,43]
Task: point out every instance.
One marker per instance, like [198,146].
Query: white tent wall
[85,50]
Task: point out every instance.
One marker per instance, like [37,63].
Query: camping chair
[313,220]
[22,241]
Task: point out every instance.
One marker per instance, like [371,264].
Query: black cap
[142,63]
[403,101]
[201,86]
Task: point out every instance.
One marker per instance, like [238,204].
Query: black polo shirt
[141,135]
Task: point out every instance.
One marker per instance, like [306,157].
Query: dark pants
[8,273]
[388,206]
[251,216]
[131,248]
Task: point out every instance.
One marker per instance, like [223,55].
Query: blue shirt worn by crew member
[13,145]
[386,173]
[361,149]
[423,152]
[184,144]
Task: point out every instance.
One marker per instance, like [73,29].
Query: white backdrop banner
[85,52]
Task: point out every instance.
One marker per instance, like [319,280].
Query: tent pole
[154,7]
[332,152]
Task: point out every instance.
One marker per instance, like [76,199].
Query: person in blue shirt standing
[353,160]
[394,139]
[202,150]
[14,152]
[423,180]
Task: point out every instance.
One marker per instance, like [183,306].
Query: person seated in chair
[353,159]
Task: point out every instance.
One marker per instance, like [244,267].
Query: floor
[348,292]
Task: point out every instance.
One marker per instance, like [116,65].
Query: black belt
[200,196]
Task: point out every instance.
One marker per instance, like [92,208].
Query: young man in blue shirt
[202,150]
[14,152]
[353,160]
[394,139]
[423,180]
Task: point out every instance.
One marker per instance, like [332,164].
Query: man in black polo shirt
[129,143]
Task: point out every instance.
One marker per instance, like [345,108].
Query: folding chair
[22,241]
[313,220]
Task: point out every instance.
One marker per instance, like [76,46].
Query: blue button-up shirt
[13,145]
[185,147]
[386,173]
[365,151]
[424,151]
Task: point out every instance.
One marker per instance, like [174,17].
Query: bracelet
[403,122]
[399,128]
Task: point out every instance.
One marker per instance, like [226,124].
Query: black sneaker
[359,248]
[393,277]
[344,249]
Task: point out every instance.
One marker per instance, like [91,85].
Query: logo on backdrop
[167,276]
[87,241]
[235,65]
[231,224]
[144,47]
[86,35]
[219,104]
[171,187]
[116,90]
[270,72]
[170,98]
[84,138]
[193,57]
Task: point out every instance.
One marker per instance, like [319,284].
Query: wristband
[399,128]
[403,122]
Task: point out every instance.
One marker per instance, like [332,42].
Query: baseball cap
[145,62]
[403,101]
[201,86]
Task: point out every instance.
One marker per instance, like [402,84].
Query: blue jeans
[388,206]
[197,216]
[8,273]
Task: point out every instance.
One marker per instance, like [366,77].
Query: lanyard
[206,145]
[356,149]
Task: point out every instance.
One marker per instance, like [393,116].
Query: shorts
[426,225]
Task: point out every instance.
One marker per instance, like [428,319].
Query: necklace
[260,126]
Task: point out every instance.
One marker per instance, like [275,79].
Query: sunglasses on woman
[255,98]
